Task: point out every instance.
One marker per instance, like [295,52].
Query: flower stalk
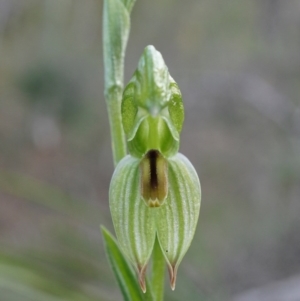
[116,26]
[158,272]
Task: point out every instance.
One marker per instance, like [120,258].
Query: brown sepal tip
[173,275]
[142,275]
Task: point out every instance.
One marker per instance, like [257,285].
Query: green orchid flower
[154,191]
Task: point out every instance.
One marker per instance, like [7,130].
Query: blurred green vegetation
[238,66]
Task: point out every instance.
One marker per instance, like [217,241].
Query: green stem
[113,100]
[116,25]
[158,273]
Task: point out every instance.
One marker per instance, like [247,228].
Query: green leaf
[125,275]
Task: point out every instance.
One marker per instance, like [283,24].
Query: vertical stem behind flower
[113,100]
[116,27]
[158,272]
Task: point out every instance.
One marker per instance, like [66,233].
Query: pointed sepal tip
[173,276]
[142,280]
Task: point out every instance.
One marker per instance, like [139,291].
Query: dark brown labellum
[154,178]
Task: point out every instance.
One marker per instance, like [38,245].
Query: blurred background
[238,66]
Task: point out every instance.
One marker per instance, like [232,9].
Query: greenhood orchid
[154,191]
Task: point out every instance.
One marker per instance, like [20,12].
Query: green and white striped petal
[177,219]
[133,220]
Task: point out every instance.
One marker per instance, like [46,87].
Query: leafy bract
[122,270]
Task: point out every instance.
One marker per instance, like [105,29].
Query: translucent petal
[177,218]
[134,222]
